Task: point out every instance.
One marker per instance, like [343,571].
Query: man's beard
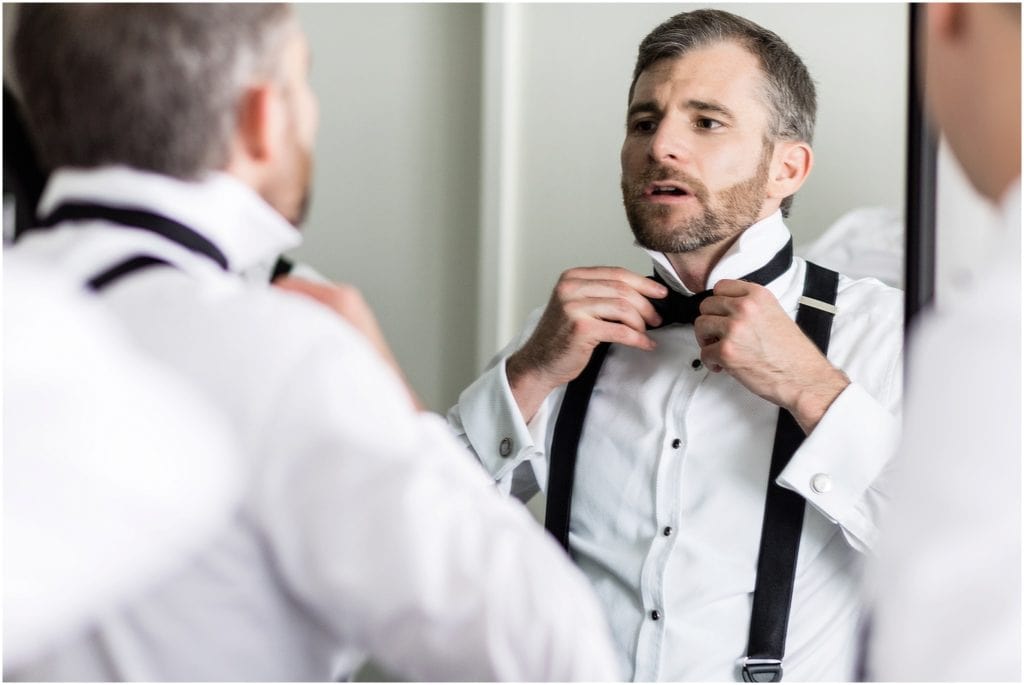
[305,179]
[736,209]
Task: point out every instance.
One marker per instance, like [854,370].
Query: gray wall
[395,205]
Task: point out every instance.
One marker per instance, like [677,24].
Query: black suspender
[141,219]
[282,267]
[784,509]
[120,270]
[147,221]
[564,446]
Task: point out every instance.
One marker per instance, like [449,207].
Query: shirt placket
[666,510]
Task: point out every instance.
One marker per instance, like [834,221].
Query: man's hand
[744,331]
[588,306]
[348,302]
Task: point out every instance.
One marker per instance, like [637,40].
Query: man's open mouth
[666,190]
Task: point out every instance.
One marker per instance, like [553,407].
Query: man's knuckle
[578,327]
[746,306]
[621,289]
[564,288]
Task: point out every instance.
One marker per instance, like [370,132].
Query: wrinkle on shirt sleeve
[850,448]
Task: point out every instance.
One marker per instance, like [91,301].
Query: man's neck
[694,268]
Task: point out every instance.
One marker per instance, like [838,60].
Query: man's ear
[791,163]
[259,123]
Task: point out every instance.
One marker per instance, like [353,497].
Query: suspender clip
[761,670]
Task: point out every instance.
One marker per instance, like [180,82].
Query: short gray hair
[151,86]
[789,89]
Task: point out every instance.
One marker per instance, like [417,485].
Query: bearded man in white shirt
[672,427]
[181,140]
[946,588]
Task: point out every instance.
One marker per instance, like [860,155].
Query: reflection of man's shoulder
[867,292]
[864,242]
[871,312]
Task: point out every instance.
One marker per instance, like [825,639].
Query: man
[663,509]
[181,137]
[947,585]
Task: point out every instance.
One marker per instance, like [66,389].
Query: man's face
[695,160]
[290,193]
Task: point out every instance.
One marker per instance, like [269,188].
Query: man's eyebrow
[716,107]
[646,107]
[652,107]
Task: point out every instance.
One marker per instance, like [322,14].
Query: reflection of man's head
[715,107]
[169,88]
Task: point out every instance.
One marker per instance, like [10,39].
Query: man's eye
[644,126]
[708,124]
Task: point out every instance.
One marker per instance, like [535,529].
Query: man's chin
[674,238]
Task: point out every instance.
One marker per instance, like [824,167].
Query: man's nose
[668,143]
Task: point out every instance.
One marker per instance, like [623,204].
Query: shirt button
[676,443]
[655,615]
[667,531]
[821,483]
[505,448]
[695,363]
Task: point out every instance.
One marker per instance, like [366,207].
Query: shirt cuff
[493,423]
[839,464]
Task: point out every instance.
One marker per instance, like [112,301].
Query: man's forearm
[810,402]
[528,386]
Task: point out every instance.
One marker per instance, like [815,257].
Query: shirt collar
[1005,243]
[219,207]
[1009,208]
[751,251]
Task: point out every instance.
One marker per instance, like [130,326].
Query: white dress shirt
[669,491]
[946,587]
[115,470]
[364,526]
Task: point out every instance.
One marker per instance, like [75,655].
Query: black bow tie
[684,309]
[677,307]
